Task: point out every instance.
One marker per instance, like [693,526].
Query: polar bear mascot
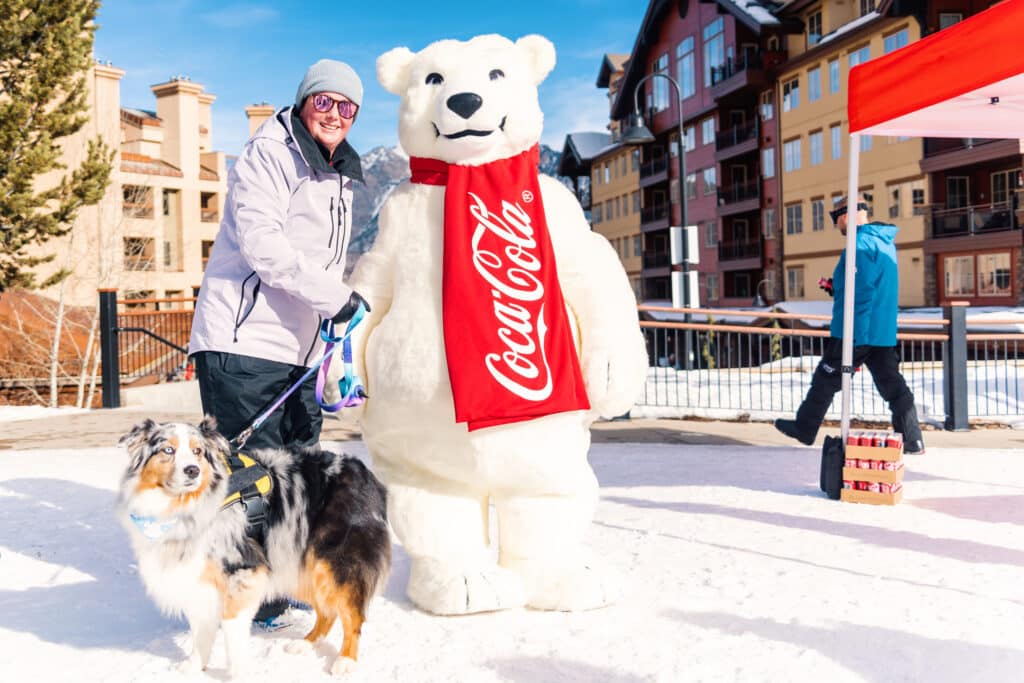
[501,327]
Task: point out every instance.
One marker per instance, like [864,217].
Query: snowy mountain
[383,169]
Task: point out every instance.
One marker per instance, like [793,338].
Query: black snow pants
[883,362]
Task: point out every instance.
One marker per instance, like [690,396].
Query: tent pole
[850,279]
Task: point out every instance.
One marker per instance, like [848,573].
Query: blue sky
[247,52]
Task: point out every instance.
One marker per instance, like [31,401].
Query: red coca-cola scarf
[510,351]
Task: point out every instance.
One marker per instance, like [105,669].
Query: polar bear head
[469,102]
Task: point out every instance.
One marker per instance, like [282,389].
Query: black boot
[792,429]
[905,422]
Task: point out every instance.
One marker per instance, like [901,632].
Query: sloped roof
[140,117]
[140,163]
[610,64]
[579,150]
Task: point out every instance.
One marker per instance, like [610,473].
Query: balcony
[654,171]
[745,71]
[739,197]
[739,250]
[656,259]
[943,154]
[972,220]
[654,217]
[738,140]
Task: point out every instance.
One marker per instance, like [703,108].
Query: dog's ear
[134,441]
[216,444]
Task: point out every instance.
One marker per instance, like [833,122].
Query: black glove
[350,308]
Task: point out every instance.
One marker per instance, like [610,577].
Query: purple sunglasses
[323,102]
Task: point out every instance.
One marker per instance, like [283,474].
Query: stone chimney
[258,113]
[177,104]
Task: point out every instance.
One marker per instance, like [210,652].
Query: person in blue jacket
[874,334]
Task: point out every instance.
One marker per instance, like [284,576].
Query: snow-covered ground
[738,569]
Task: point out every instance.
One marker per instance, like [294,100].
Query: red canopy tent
[966,81]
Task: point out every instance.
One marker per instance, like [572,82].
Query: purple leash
[354,395]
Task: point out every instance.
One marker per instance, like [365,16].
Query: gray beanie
[329,75]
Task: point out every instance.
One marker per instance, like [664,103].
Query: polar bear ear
[539,54]
[393,69]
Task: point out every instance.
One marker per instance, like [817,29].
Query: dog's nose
[192,471]
[465,104]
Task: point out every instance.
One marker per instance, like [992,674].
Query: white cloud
[239,15]
[572,105]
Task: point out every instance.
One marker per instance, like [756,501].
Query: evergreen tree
[45,54]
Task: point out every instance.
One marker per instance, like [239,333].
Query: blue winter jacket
[877,288]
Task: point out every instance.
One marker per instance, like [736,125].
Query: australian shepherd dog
[326,540]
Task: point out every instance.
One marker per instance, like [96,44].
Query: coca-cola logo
[505,256]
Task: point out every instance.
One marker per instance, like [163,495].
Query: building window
[814,28]
[673,190]
[1003,183]
[814,84]
[835,135]
[895,41]
[767,105]
[608,171]
[167,254]
[707,130]
[795,282]
[791,155]
[816,145]
[791,94]
[769,224]
[660,101]
[714,48]
[608,215]
[685,68]
[959,275]
[636,159]
[994,276]
[139,253]
[208,207]
[865,143]
[768,162]
[637,246]
[636,202]
[690,137]
[818,214]
[710,181]
[618,208]
[866,6]
[673,145]
[205,248]
[711,233]
[711,281]
[833,77]
[691,186]
[894,201]
[947,19]
[917,196]
[860,55]
[137,201]
[794,219]
[597,213]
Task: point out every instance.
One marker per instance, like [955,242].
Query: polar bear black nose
[465,104]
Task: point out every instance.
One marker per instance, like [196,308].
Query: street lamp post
[637,133]
[759,301]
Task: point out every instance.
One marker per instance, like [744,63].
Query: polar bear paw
[446,589]
[569,588]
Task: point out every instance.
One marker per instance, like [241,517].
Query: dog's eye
[197,451]
[169,450]
[496,74]
[434,79]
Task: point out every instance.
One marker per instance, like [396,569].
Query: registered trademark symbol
[527,196]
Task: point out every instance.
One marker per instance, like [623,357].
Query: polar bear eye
[496,74]
[435,79]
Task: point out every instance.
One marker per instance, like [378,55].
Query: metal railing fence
[764,370]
